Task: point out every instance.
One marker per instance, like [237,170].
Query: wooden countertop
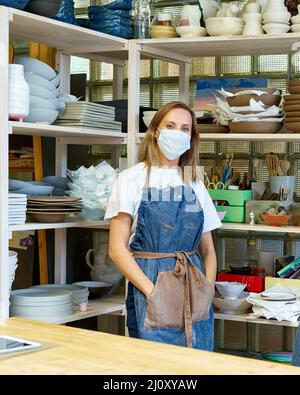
[76,351]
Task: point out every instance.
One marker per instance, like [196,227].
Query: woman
[162,211]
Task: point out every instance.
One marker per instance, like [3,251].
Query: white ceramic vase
[18,93]
[253,24]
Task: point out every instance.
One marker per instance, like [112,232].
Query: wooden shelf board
[260,228]
[225,45]
[60,225]
[251,320]
[35,129]
[244,137]
[65,36]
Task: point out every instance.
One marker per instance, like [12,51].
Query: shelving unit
[73,40]
[69,40]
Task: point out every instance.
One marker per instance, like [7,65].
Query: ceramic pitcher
[18,93]
[103,268]
[190,15]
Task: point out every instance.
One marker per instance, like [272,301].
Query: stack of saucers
[41,304]
[79,294]
[52,208]
[12,264]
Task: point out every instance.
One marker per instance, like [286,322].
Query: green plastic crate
[234,198]
[233,213]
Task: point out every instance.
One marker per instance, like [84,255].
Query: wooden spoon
[272,164]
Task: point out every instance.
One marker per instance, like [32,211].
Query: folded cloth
[280,310]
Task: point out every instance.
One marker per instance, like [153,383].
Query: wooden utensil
[285,166]
[255,164]
[272,164]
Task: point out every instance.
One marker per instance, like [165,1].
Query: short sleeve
[211,218]
[120,199]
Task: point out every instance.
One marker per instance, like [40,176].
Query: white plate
[278,296]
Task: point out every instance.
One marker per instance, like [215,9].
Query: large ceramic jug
[190,15]
[103,268]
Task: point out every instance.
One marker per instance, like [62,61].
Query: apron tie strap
[180,270]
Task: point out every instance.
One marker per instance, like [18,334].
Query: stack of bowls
[225,26]
[66,12]
[263,124]
[230,298]
[296,22]
[43,84]
[292,107]
[41,304]
[276,18]
[159,31]
[12,264]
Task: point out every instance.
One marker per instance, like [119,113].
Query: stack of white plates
[17,203]
[89,115]
[79,293]
[41,304]
[12,264]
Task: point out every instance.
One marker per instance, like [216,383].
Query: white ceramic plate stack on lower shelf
[12,263]
[41,304]
[80,294]
[17,203]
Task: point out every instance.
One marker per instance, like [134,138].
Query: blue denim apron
[171,221]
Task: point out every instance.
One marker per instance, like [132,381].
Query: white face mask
[173,143]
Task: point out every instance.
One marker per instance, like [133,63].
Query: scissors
[217,185]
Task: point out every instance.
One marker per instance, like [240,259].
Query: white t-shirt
[127,192]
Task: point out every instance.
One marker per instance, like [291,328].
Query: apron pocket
[165,306]
[201,297]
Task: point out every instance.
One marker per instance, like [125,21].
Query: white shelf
[249,319]
[243,137]
[260,228]
[67,37]
[60,225]
[36,129]
[105,305]
[224,45]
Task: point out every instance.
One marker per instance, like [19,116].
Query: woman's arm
[118,241]
[208,254]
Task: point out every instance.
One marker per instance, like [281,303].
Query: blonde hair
[150,154]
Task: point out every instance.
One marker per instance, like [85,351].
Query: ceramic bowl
[244,100]
[224,29]
[96,288]
[57,182]
[211,128]
[293,127]
[191,31]
[232,306]
[41,115]
[163,33]
[275,28]
[56,80]
[47,217]
[36,67]
[221,215]
[39,102]
[32,78]
[294,89]
[40,91]
[275,220]
[254,127]
[229,289]
[35,190]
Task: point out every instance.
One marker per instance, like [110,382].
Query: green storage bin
[234,198]
[233,213]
